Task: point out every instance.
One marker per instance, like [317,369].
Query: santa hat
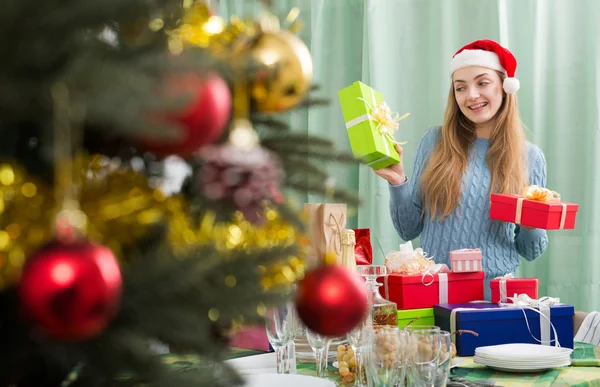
[487,53]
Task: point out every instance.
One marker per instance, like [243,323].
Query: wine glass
[424,357]
[414,327]
[320,346]
[280,326]
[386,352]
[355,338]
[441,378]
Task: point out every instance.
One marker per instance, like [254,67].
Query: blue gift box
[502,325]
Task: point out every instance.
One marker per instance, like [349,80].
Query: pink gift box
[465,260]
[252,338]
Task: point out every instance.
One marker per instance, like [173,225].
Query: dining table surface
[583,372]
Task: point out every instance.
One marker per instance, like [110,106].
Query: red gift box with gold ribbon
[538,207]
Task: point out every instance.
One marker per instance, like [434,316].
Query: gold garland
[121,206]
[239,234]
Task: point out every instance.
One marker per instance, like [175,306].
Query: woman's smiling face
[478,93]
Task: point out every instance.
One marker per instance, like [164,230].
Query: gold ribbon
[540,194]
[534,192]
[387,122]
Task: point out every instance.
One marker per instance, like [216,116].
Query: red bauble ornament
[202,122]
[332,300]
[71,290]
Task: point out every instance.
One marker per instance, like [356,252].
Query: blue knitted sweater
[469,226]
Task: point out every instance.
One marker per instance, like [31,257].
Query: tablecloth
[584,372]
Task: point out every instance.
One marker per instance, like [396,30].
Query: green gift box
[426,317]
[369,144]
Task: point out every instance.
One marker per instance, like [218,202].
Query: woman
[479,149]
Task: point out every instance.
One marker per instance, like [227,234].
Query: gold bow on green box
[371,125]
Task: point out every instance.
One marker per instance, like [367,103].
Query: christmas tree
[96,260]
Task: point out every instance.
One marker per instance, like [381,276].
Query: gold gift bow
[540,194]
[534,192]
[387,122]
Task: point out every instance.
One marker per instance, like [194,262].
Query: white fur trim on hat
[511,85]
[467,58]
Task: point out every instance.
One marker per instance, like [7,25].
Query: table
[584,372]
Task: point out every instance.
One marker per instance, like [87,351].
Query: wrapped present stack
[416,281]
[452,298]
[416,284]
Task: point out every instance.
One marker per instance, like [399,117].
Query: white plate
[524,363]
[521,364]
[526,370]
[522,351]
[523,358]
[287,380]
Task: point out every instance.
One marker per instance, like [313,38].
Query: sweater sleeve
[530,244]
[405,200]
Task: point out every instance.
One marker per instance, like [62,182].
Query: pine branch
[301,150]
[313,102]
[291,139]
[297,168]
[292,216]
[261,121]
[186,289]
[320,189]
[170,300]
[122,351]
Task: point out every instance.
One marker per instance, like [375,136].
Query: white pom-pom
[511,85]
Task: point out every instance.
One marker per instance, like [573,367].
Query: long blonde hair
[440,184]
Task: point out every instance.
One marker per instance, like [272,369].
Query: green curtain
[403,49]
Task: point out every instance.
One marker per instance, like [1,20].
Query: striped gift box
[466,260]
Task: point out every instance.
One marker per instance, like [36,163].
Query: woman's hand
[394,174]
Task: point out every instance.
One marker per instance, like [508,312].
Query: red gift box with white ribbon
[503,288]
[537,207]
[426,290]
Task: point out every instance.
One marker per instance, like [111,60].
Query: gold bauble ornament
[285,73]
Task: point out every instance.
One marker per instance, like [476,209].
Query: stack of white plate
[522,357]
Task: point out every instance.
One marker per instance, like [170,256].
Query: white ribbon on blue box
[523,302]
